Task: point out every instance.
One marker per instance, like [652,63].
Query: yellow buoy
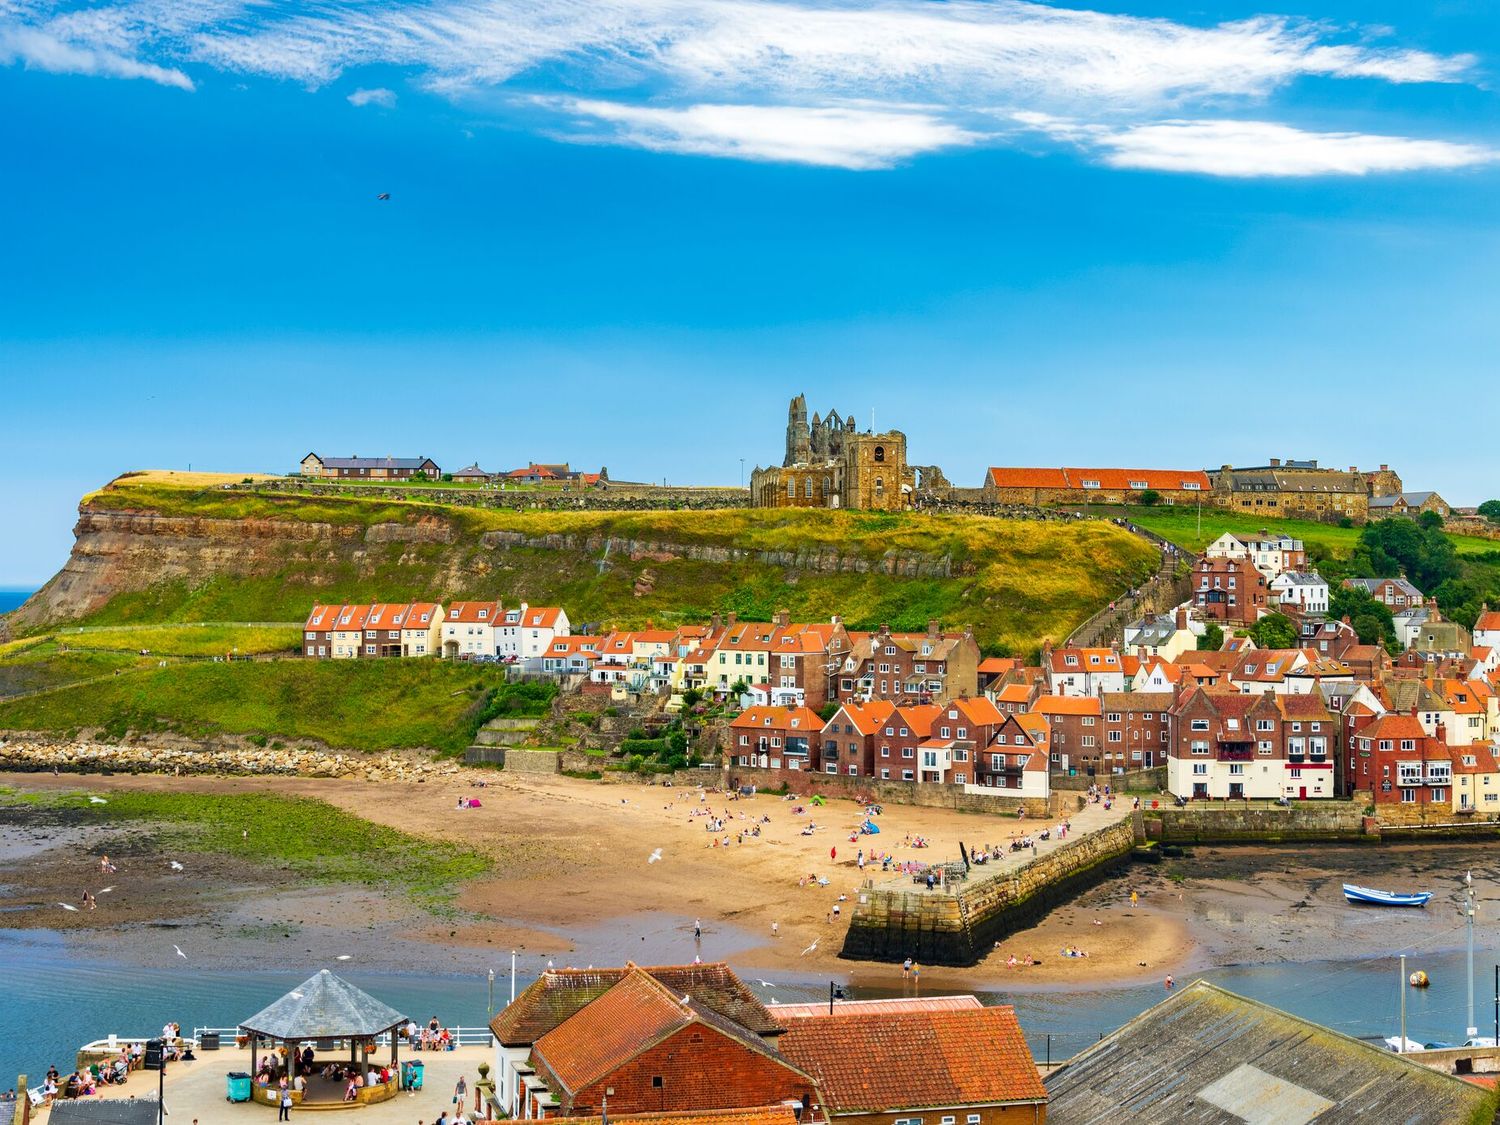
[1418,979]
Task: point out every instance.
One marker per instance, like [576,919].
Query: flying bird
[342,957]
[176,866]
[654,857]
[97,801]
[765,984]
[106,890]
[68,906]
[178,950]
[384,197]
[810,948]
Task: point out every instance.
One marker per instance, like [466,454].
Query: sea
[10,598]
[54,1003]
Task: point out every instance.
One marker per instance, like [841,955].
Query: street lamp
[490,1010]
[742,472]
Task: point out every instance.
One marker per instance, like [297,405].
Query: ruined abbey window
[880,453]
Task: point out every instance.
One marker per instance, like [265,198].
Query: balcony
[1235,753]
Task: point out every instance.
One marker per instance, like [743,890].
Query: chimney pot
[1275,462]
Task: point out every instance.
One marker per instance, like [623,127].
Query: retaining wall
[1154,779]
[958,926]
[1227,824]
[922,795]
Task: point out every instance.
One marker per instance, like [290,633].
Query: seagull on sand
[176,866]
[178,950]
[654,857]
[68,906]
[810,948]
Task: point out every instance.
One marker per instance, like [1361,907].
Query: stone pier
[958,925]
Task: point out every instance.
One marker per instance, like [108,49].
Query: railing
[462,1036]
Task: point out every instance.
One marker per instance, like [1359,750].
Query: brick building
[1136,730]
[775,737]
[829,463]
[907,668]
[1229,590]
[1074,722]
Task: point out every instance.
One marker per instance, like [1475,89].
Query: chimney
[885,629]
[933,628]
[968,631]
[1182,617]
[835,620]
[1346,619]
[783,618]
[1385,468]
[1275,462]
[1442,733]
[715,622]
[733,619]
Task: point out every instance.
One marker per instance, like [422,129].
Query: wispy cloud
[378,96]
[841,137]
[1257,148]
[814,81]
[35,48]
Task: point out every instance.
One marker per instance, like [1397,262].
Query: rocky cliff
[151,556]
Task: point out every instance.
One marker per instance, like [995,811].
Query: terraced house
[908,668]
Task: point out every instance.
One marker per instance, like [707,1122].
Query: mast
[1401,984]
[1469,918]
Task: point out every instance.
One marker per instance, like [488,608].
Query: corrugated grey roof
[1205,1055]
[136,1111]
[324,1007]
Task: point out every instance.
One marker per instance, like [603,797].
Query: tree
[1212,639]
[1490,510]
[692,697]
[1274,630]
[1151,498]
[1430,521]
[1371,619]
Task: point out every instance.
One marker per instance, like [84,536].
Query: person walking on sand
[1170,983]
[1134,898]
[906,969]
[460,1092]
[285,1111]
[775,929]
[697,929]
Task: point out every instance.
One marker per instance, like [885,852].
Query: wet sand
[573,884]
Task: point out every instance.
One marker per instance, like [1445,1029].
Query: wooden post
[291,1064]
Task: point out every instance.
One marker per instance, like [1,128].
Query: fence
[462,1036]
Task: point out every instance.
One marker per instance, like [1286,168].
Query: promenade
[195,1091]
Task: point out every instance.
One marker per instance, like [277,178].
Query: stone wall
[1152,779]
[807,783]
[617,496]
[1264,823]
[958,926]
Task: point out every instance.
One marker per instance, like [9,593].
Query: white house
[1487,628]
[469,629]
[1083,671]
[1301,588]
[1269,554]
[527,632]
[422,629]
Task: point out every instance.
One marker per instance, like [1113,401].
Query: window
[1200,769]
[906,775]
[885,775]
[1200,724]
[1114,736]
[656,1081]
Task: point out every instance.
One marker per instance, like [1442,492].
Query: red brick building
[1394,759]
[1136,730]
[775,737]
[1228,590]
[959,1067]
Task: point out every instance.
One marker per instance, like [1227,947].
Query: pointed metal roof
[324,1006]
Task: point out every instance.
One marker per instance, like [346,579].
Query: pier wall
[958,925]
[808,783]
[1224,824]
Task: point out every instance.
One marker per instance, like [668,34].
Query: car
[1480,1041]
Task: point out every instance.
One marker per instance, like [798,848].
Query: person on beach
[1169,982]
[906,969]
[460,1092]
[284,1107]
[775,929]
[697,929]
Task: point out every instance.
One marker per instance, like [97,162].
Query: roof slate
[324,1006]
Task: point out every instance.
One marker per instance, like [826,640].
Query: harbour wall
[1267,824]
[959,925]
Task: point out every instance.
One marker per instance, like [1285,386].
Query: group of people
[433,1037]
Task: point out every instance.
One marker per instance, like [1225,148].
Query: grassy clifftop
[1016,581]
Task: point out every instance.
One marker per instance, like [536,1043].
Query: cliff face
[143,557]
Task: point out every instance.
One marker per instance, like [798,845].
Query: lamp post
[512,976]
[742,472]
[1469,918]
[490,1007]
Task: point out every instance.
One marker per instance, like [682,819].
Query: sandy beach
[574,884]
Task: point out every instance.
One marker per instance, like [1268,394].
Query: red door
[1302,792]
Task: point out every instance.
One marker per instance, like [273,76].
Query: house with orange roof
[317,631]
[775,737]
[906,668]
[571,656]
[1476,779]
[1226,746]
[1075,725]
[1399,763]
[1015,697]
[349,632]
[1083,671]
[742,652]
[1487,628]
[641,1047]
[1046,487]
[1471,704]
[422,629]
[469,630]
[952,1065]
[1016,759]
[383,629]
[847,743]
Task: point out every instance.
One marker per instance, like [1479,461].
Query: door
[1236,790]
[1148,759]
[1302,792]
[1200,789]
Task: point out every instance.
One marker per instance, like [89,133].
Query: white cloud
[849,83]
[1257,148]
[379,96]
[840,137]
[35,48]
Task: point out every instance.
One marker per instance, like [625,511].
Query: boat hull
[1367,896]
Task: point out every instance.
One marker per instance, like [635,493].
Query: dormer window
[483,613]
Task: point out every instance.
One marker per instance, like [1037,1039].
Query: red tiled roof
[998,665]
[883,1062]
[778,718]
[558,993]
[469,612]
[759,1115]
[541,617]
[867,717]
[1126,479]
[1488,621]
[1014,693]
[889,1004]
[1066,705]
[601,1036]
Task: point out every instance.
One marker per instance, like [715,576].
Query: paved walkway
[1092,818]
[195,1091]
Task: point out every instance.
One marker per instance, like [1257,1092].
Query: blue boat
[1368,897]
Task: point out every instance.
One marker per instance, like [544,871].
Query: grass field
[358,705]
[317,840]
[40,665]
[214,639]
[1016,581]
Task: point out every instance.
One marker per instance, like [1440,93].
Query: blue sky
[1147,234]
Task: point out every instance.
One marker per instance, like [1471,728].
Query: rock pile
[39,755]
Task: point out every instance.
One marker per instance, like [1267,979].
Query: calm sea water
[53,1004]
[9,599]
